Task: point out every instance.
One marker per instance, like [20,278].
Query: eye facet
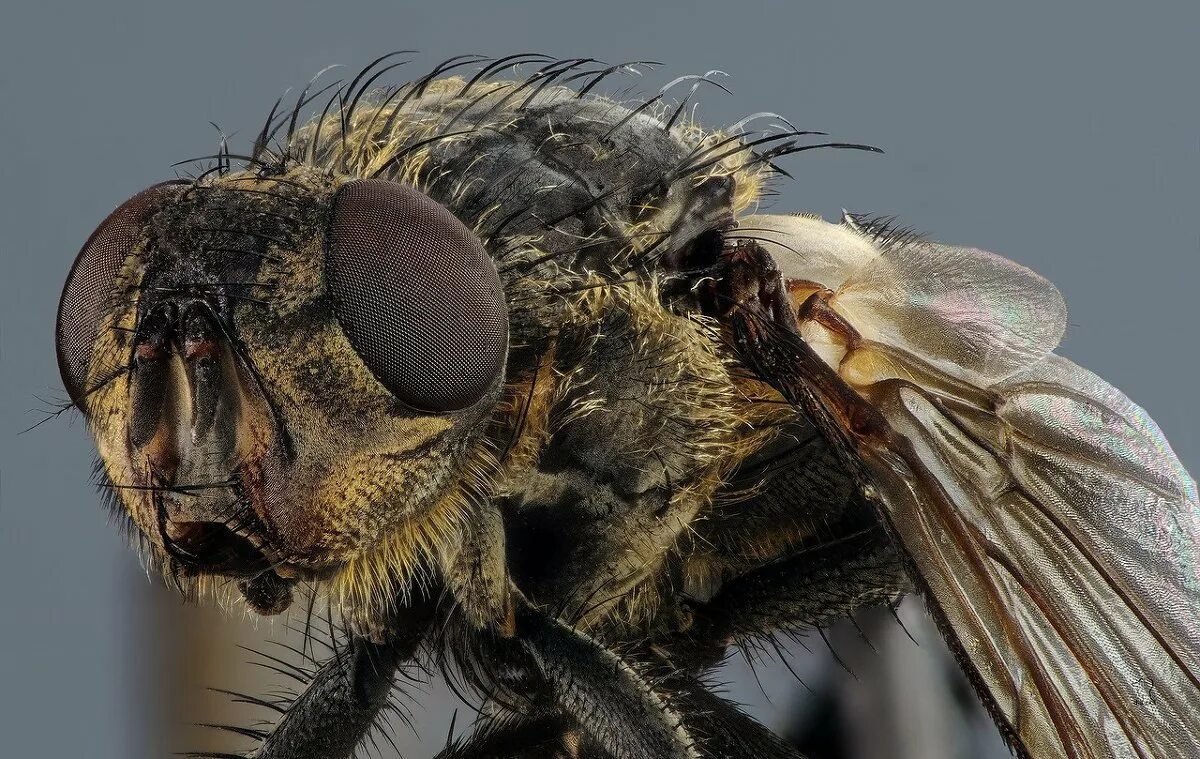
[87,295]
[416,294]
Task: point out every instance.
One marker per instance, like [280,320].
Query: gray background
[1061,135]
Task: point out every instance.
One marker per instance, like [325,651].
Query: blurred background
[1062,135]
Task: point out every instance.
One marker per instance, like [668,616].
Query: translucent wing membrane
[1054,529]
[968,312]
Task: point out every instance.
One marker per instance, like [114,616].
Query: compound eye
[416,294]
[87,296]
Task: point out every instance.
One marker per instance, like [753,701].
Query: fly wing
[1055,533]
[1058,539]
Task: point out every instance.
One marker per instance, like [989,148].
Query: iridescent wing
[1051,526]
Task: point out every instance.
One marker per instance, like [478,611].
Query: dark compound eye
[87,295]
[416,294]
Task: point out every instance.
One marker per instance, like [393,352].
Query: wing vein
[1113,582]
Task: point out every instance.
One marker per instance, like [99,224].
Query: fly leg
[612,702]
[592,703]
[341,703]
[810,589]
[511,737]
[339,706]
[721,729]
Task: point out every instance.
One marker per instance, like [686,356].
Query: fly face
[277,371]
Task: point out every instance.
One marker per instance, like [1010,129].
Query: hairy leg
[513,737]
[599,705]
[345,696]
[339,706]
[718,728]
[721,729]
[807,590]
[612,702]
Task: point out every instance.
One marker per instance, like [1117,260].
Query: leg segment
[721,730]
[340,705]
[604,707]
[614,705]
[812,588]
[511,737]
